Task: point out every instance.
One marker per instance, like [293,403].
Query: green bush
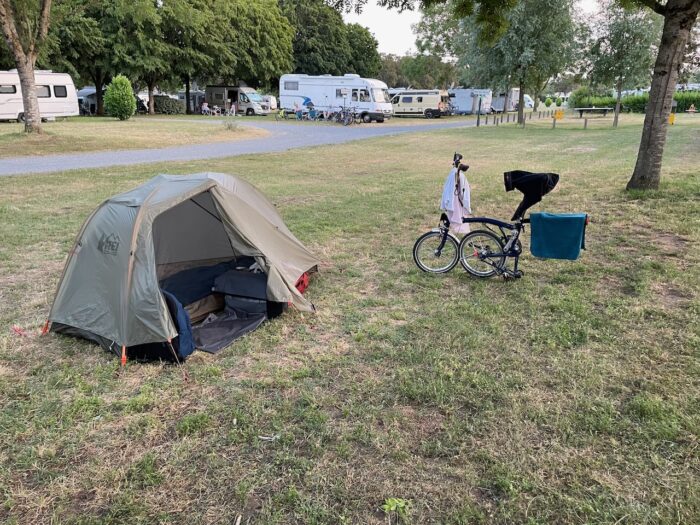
[168,106]
[559,102]
[637,103]
[119,98]
[548,102]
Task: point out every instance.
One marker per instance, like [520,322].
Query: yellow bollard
[672,118]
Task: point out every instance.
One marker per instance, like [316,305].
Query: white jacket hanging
[456,201]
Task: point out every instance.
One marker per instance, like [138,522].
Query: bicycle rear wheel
[481,254]
[430,257]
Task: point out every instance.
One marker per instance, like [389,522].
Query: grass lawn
[569,396]
[82,134]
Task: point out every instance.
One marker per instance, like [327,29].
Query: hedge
[168,106]
[637,103]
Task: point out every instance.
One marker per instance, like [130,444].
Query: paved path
[282,137]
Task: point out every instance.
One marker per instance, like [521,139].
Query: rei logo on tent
[109,244]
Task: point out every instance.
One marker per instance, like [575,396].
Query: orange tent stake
[123,355]
[45,330]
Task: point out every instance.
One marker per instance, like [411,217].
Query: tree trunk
[521,103]
[151,99]
[617,103]
[98,78]
[679,17]
[32,116]
[12,21]
[188,102]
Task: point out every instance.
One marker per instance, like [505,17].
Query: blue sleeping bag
[557,235]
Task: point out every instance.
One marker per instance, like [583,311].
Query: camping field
[570,396]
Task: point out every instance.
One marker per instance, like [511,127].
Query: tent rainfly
[178,263]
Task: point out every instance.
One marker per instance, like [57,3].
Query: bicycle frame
[510,234]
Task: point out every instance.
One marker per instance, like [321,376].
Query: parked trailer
[513,98]
[55,92]
[369,97]
[466,101]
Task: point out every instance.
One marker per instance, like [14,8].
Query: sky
[393,29]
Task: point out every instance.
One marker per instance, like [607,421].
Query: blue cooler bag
[558,235]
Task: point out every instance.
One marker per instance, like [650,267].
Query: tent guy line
[282,137]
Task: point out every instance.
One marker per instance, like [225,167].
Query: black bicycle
[484,252]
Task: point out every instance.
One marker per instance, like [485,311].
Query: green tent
[196,227]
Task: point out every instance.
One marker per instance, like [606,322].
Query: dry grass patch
[82,134]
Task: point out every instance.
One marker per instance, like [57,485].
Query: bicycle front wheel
[481,254]
[431,257]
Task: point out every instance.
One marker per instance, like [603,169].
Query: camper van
[513,98]
[55,92]
[428,103]
[369,97]
[247,100]
[466,101]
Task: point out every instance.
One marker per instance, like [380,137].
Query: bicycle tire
[427,244]
[478,262]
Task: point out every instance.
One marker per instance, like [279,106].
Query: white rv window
[364,95]
[355,94]
[43,92]
[60,91]
[380,95]
[291,86]
[419,99]
[7,89]
[407,100]
[338,93]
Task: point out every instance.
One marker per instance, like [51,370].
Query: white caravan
[513,98]
[55,91]
[369,97]
[466,101]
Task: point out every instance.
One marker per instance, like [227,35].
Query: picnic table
[581,111]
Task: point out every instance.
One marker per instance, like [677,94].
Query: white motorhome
[369,97]
[428,103]
[466,101]
[247,100]
[55,92]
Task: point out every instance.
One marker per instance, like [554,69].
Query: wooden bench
[604,111]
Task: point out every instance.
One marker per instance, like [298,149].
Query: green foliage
[119,98]
[398,507]
[320,40]
[637,103]
[585,97]
[364,57]
[192,424]
[623,54]
[420,71]
[538,44]
[559,102]
[548,102]
[168,106]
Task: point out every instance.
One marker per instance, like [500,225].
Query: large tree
[538,44]
[679,18]
[622,54]
[25,26]
[364,57]
[320,38]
